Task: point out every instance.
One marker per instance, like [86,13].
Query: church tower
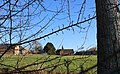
[62,47]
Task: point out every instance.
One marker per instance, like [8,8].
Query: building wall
[65,53]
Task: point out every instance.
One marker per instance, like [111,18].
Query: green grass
[45,62]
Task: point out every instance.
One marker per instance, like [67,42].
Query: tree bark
[108,36]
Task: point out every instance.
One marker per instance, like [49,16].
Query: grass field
[55,63]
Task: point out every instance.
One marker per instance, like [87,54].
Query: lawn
[55,63]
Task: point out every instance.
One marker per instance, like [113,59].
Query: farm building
[4,47]
[20,50]
[86,53]
[13,50]
[91,51]
[65,52]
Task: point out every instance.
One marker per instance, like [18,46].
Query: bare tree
[35,47]
[25,21]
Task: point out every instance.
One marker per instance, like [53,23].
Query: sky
[75,38]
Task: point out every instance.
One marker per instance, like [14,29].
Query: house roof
[2,46]
[5,46]
[66,50]
[20,48]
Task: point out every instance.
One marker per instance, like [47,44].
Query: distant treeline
[86,53]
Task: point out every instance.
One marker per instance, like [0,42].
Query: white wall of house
[17,48]
[17,52]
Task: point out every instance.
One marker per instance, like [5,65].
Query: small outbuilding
[12,49]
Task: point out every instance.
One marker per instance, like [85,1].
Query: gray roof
[5,46]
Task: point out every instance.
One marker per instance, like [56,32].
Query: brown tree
[108,36]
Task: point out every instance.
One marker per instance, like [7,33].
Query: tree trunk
[108,37]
